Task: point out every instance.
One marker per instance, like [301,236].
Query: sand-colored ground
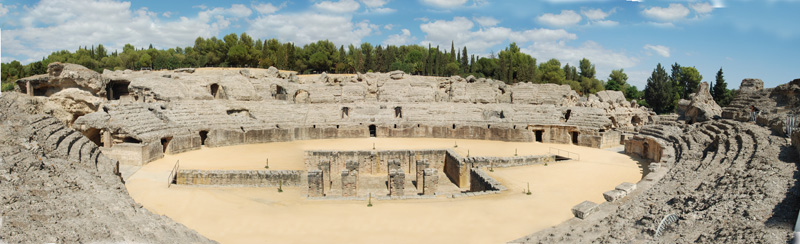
[262,215]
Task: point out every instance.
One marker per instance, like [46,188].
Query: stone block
[614,195]
[349,183]
[627,187]
[325,167]
[430,181]
[421,166]
[584,209]
[315,188]
[351,165]
[397,179]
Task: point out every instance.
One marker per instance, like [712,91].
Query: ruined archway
[575,136]
[373,131]
[94,135]
[636,120]
[203,137]
[539,134]
[117,89]
[301,96]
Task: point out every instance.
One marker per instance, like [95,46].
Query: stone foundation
[349,183]
[264,178]
[315,186]
[397,179]
[430,181]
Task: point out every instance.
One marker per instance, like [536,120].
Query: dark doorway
[372,131]
[454,126]
[165,143]
[636,120]
[398,112]
[575,137]
[203,137]
[117,89]
[539,134]
[566,116]
[131,140]
[281,93]
[214,90]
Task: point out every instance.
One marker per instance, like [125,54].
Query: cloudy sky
[748,39]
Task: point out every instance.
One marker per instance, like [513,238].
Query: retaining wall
[502,162]
[266,178]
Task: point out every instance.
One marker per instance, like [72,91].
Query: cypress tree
[659,91]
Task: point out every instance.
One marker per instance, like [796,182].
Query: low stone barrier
[481,181]
[262,178]
[503,162]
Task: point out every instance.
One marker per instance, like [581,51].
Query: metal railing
[173,173]
[792,121]
[565,153]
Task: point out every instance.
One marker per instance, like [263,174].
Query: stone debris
[584,209]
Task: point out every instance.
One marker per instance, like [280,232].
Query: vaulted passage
[165,143]
[94,135]
[372,131]
[575,137]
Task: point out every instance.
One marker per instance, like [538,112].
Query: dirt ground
[262,215]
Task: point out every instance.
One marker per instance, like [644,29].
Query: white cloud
[597,14]
[3,10]
[486,21]
[375,3]
[267,8]
[597,17]
[675,11]
[445,3]
[304,28]
[604,59]
[701,8]
[167,14]
[460,32]
[658,49]
[388,27]
[566,18]
[382,10]
[342,6]
[404,38]
[52,25]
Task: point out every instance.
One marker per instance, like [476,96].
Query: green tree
[552,72]
[659,92]
[145,60]
[690,79]
[720,90]
[238,55]
[587,68]
[617,80]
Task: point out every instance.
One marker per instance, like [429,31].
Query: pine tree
[659,91]
[587,69]
[452,52]
[720,90]
[465,60]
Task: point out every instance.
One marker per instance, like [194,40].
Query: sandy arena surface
[262,215]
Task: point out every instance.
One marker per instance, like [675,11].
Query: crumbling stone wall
[430,181]
[270,178]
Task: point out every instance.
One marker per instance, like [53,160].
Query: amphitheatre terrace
[262,155]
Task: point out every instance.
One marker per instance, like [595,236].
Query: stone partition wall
[456,170]
[136,154]
[645,147]
[503,162]
[263,178]
[430,181]
[481,181]
[183,143]
[349,183]
[397,180]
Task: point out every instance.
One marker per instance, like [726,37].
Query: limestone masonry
[65,134]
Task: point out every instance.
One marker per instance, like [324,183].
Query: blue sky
[747,39]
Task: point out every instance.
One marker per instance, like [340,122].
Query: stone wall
[503,162]
[456,170]
[183,143]
[481,181]
[430,181]
[644,147]
[263,178]
[136,154]
[375,162]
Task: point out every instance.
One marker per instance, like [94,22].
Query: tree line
[663,91]
[509,65]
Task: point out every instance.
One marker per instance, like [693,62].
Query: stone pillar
[421,166]
[28,88]
[107,141]
[393,164]
[349,183]
[315,188]
[430,181]
[325,167]
[397,180]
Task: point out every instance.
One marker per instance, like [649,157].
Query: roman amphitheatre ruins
[266,156]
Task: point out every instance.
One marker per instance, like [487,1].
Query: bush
[9,86]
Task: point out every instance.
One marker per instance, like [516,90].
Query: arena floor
[262,215]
